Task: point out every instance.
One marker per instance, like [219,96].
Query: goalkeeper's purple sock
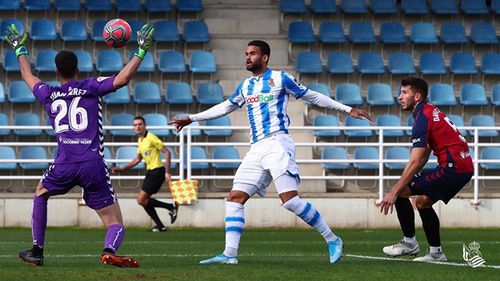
[114,237]
[39,220]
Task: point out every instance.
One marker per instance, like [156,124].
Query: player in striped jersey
[272,154]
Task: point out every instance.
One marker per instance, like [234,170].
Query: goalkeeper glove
[17,41]
[144,39]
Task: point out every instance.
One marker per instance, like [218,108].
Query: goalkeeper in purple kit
[75,113]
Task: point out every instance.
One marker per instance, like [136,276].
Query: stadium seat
[120,96]
[202,62]
[147,64]
[197,153]
[209,93]
[463,63]
[397,153]
[401,63]
[2,93]
[442,95]
[37,5]
[495,95]
[193,6]
[366,153]
[85,64]
[370,63]
[339,63]
[490,153]
[43,30]
[349,94]
[431,163]
[361,32]
[293,6]
[33,152]
[27,119]
[173,165]
[67,5]
[448,7]
[423,33]
[308,63]
[179,93]
[7,152]
[194,132]
[171,62]
[331,32]
[383,6]
[380,94]
[10,63]
[122,119]
[414,6]
[157,119]
[473,95]
[473,7]
[453,33]
[45,61]
[49,132]
[98,5]
[157,6]
[483,33]
[147,93]
[8,22]
[301,32]
[432,63]
[96,32]
[4,121]
[128,153]
[392,33]
[135,26]
[326,120]
[354,122]
[220,121]
[74,31]
[128,6]
[10,5]
[409,122]
[323,6]
[389,120]
[109,61]
[20,93]
[226,152]
[495,6]
[490,63]
[459,122]
[338,154]
[353,6]
[195,32]
[166,31]
[107,158]
[483,121]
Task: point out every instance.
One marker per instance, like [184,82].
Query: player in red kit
[433,132]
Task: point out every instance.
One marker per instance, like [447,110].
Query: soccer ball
[116,33]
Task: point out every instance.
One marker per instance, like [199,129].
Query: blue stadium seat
[122,119]
[495,95]
[85,64]
[226,152]
[209,93]
[4,121]
[370,63]
[459,122]
[473,7]
[423,33]
[221,121]
[7,152]
[166,31]
[173,165]
[362,32]
[293,6]
[10,5]
[196,32]
[490,63]
[308,63]
[473,95]
[147,93]
[20,93]
[383,6]
[193,6]
[202,62]
[37,5]
[323,6]
[483,33]
[74,31]
[98,5]
[2,93]
[157,119]
[128,153]
[27,119]
[67,5]
[389,120]
[432,63]
[300,32]
[194,132]
[96,32]
[43,30]
[157,6]
[409,122]
[431,165]
[45,61]
[338,154]
[380,94]
[109,61]
[366,153]
[49,132]
[414,6]
[442,95]
[463,63]
[348,93]
[448,7]
[490,153]
[197,153]
[33,152]
[397,153]
[171,62]
[483,121]
[495,6]
[135,25]
[107,158]
[179,93]
[326,120]
[453,33]
[339,63]
[392,33]
[147,64]
[128,5]
[353,6]
[8,22]
[10,63]
[354,122]
[401,63]
[331,32]
[120,96]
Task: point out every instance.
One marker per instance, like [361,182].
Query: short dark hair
[417,85]
[264,47]
[66,64]
[140,118]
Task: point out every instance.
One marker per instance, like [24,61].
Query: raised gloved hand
[17,41]
[144,39]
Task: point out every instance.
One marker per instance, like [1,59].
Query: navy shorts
[154,180]
[91,175]
[439,184]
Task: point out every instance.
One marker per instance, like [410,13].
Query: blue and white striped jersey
[266,97]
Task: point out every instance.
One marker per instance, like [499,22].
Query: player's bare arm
[180,123]
[360,114]
[130,164]
[168,159]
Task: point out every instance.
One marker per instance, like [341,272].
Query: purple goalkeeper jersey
[75,112]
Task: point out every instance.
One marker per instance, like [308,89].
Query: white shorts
[266,161]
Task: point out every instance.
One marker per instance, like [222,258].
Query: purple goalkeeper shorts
[91,175]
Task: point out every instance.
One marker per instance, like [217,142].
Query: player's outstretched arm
[360,114]
[144,39]
[18,42]
[129,165]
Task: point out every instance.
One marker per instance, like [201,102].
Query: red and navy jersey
[434,129]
